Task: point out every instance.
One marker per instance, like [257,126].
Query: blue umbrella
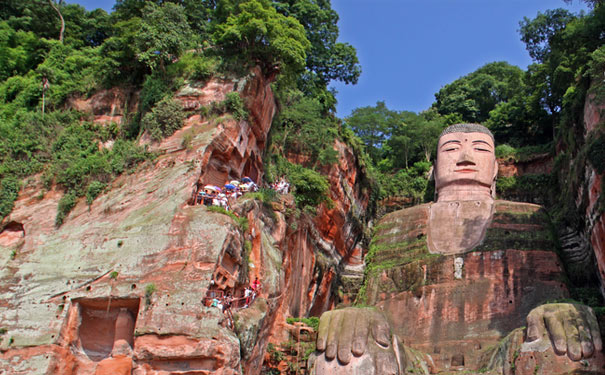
[246,180]
[229,187]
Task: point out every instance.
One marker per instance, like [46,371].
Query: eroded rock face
[140,242]
[107,105]
[454,312]
[62,290]
[594,220]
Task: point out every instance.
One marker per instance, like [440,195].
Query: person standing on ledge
[458,276]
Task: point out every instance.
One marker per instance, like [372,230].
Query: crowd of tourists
[227,302]
[225,196]
[211,195]
[282,186]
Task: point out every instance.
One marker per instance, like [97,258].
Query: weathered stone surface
[448,306]
[107,105]
[594,222]
[140,246]
[139,241]
[536,164]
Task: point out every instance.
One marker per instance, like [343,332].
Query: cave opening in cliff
[106,323]
[11,233]
[250,170]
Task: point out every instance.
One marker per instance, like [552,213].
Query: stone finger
[595,332]
[345,336]
[322,331]
[585,336]
[360,338]
[381,330]
[574,349]
[334,331]
[535,325]
[557,333]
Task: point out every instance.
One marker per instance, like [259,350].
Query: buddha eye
[450,149]
[482,149]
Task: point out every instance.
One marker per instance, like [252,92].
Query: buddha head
[466,166]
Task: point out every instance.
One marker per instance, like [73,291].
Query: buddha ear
[495,169]
[493,187]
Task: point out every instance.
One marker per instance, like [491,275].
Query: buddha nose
[465,158]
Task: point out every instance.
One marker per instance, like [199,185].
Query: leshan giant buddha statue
[448,281]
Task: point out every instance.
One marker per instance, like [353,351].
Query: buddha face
[465,160]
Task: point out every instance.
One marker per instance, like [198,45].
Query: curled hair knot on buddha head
[466,128]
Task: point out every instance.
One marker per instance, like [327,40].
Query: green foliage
[113,275]
[79,167]
[9,189]
[396,139]
[163,34]
[264,195]
[526,188]
[70,72]
[165,118]
[312,321]
[94,189]
[327,59]
[233,104]
[596,153]
[256,33]
[275,355]
[66,203]
[123,48]
[310,188]
[596,67]
[194,67]
[476,94]
[411,182]
[504,151]
[538,33]
[155,88]
[149,290]
[373,126]
[119,62]
[303,127]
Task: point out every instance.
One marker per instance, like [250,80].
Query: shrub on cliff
[66,204]
[310,187]
[9,189]
[82,169]
[233,104]
[164,119]
[194,66]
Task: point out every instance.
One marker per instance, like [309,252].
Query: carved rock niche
[106,325]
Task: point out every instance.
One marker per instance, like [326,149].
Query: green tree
[426,136]
[476,94]
[537,34]
[119,55]
[162,36]
[303,127]
[327,59]
[373,124]
[256,32]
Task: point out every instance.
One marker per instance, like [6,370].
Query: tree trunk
[52,4]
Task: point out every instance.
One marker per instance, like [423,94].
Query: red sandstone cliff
[591,195]
[118,288]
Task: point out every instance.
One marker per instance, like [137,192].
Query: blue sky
[409,49]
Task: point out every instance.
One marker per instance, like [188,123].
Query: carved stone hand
[571,328]
[360,335]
